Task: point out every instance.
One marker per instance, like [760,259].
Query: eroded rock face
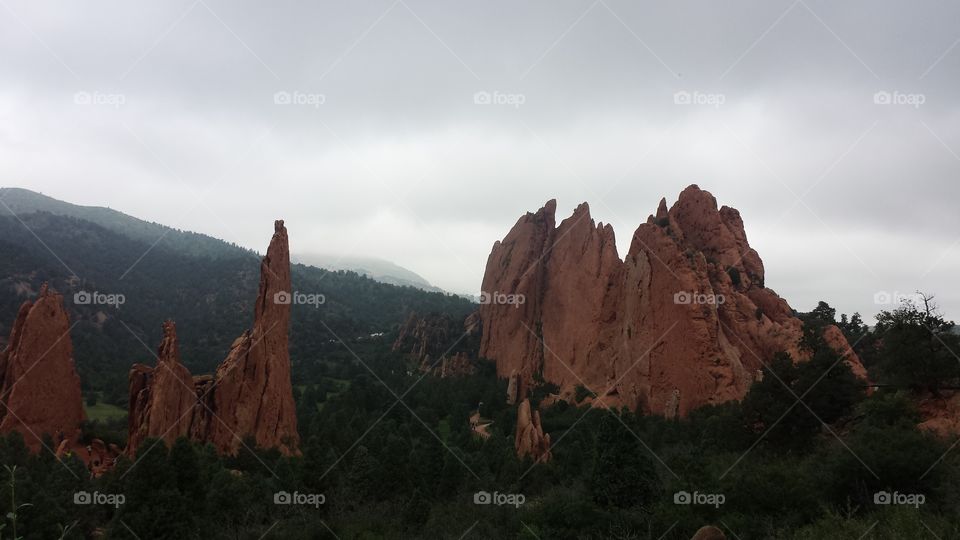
[684,320]
[162,398]
[530,440]
[253,395]
[433,342]
[249,396]
[39,385]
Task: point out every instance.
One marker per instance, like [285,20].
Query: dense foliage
[804,456]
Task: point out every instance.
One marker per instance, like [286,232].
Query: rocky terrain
[438,343]
[250,394]
[684,320]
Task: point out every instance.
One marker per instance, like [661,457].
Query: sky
[419,132]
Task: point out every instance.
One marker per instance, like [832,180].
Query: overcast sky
[388,147]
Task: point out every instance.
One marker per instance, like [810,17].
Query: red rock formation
[39,386]
[250,395]
[253,394]
[433,342]
[684,320]
[529,439]
[709,533]
[162,398]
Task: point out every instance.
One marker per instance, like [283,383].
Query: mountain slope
[376,269]
[23,201]
[209,297]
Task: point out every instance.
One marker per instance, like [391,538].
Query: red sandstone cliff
[684,320]
[249,396]
[39,386]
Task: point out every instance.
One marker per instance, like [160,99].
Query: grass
[104,411]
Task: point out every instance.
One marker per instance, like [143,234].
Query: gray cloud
[398,160]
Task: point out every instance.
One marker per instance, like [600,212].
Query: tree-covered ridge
[209,297]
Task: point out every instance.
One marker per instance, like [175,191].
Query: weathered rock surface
[436,342]
[253,394]
[162,398]
[684,320]
[530,440]
[39,385]
[249,396]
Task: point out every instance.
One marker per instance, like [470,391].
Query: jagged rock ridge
[438,343]
[684,320]
[249,396]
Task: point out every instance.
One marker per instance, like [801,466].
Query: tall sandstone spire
[253,394]
[684,320]
[249,396]
[39,385]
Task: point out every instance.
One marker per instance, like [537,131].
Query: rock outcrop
[530,440]
[249,396]
[162,398]
[253,393]
[684,320]
[438,343]
[39,386]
